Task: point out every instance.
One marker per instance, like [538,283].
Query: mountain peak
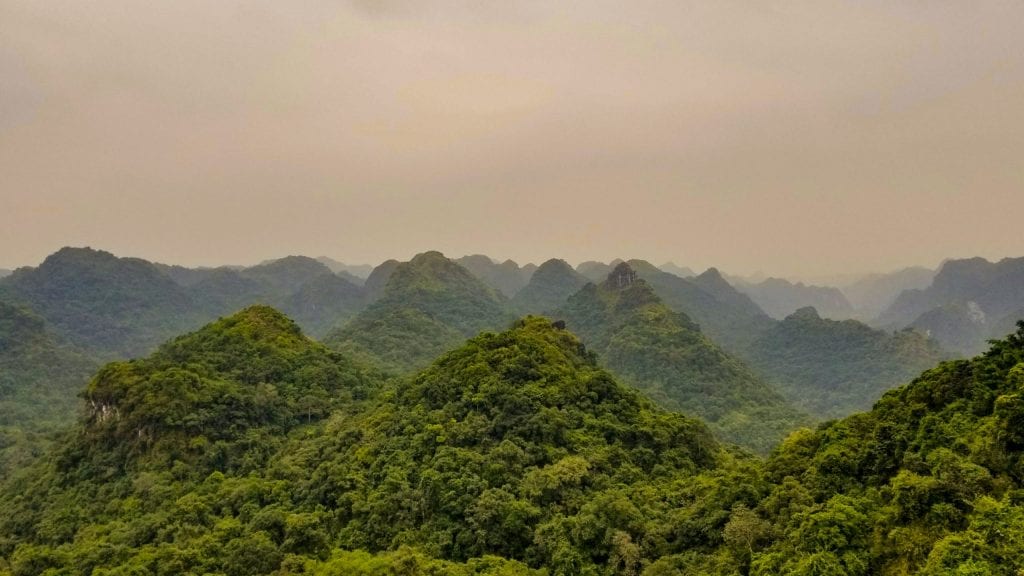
[805,313]
[622,276]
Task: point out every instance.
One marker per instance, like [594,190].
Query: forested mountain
[728,317]
[506,277]
[873,293]
[549,288]
[247,449]
[39,384]
[350,272]
[514,445]
[112,307]
[595,271]
[968,302]
[377,279]
[681,271]
[780,298]
[304,288]
[665,355]
[929,482]
[429,305]
[834,368]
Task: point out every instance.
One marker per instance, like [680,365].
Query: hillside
[549,287]
[513,450]
[873,293]
[728,317]
[780,298]
[378,278]
[595,271]
[39,385]
[111,307]
[968,302]
[429,304]
[665,355]
[507,277]
[928,482]
[834,368]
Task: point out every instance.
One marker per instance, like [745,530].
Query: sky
[794,138]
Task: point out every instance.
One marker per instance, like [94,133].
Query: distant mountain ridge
[967,303]
[506,277]
[549,287]
[664,354]
[110,306]
[780,298]
[834,368]
[428,305]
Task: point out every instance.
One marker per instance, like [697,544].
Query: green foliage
[112,307]
[39,385]
[550,286]
[832,368]
[665,355]
[511,454]
[430,304]
[930,481]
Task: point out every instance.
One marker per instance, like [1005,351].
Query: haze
[791,137]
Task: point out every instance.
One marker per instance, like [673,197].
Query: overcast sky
[790,137]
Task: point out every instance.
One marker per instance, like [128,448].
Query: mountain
[549,288]
[665,355]
[928,482]
[505,277]
[301,287]
[108,306]
[681,271]
[596,272]
[288,274]
[728,317]
[39,384]
[347,271]
[429,304]
[966,303]
[377,279]
[511,453]
[323,303]
[225,290]
[780,298]
[834,368]
[873,293]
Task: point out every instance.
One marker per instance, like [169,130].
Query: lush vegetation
[39,385]
[112,307]
[834,368]
[930,482]
[205,458]
[429,304]
[246,449]
[664,354]
[507,277]
[550,286]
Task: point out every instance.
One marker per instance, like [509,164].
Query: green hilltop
[665,355]
[428,305]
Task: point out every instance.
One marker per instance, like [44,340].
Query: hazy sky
[790,137]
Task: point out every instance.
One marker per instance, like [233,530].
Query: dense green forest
[246,448]
[39,384]
[833,368]
[550,286]
[664,354]
[428,305]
